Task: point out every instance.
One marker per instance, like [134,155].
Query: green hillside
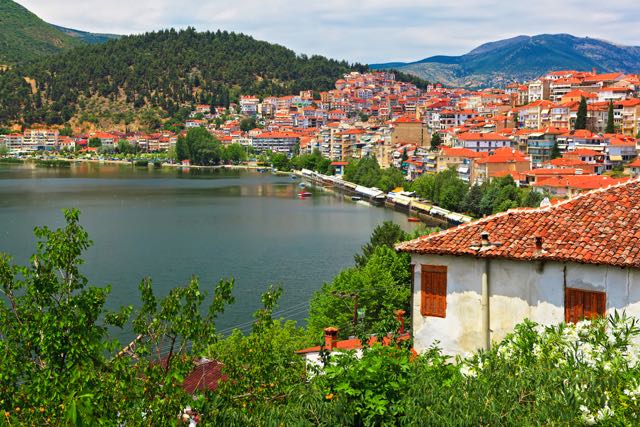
[87,37]
[166,69]
[24,36]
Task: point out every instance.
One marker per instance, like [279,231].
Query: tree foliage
[314,161]
[611,128]
[199,147]
[581,118]
[446,190]
[165,70]
[59,365]
[436,141]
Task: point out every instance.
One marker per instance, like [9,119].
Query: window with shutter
[580,304]
[433,291]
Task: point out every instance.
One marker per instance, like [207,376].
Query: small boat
[356,198]
[302,185]
[293,176]
[305,194]
[413,219]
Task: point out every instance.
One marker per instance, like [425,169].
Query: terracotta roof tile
[608,219]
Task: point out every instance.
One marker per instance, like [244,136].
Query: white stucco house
[577,259]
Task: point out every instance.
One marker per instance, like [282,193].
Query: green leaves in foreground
[58,362]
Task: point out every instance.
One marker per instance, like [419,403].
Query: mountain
[162,70]
[86,37]
[522,58]
[24,36]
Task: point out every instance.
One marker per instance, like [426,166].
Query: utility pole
[355,297]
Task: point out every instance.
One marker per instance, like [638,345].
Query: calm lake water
[170,224]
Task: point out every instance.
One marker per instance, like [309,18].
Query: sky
[366,31]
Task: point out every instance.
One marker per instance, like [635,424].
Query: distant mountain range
[24,36]
[522,58]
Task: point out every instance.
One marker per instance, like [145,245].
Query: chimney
[484,236]
[400,318]
[330,338]
[538,239]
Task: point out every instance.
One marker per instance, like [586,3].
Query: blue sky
[368,31]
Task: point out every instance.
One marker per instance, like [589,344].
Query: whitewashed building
[577,259]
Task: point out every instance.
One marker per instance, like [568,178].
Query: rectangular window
[580,304]
[433,291]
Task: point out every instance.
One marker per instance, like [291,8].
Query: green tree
[555,151]
[391,178]
[386,234]
[472,200]
[280,161]
[234,153]
[124,147]
[66,131]
[248,123]
[380,287]
[436,141]
[59,365]
[94,142]
[365,171]
[581,118]
[610,120]
[203,147]
[262,365]
[182,149]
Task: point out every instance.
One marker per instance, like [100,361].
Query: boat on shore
[356,198]
[413,219]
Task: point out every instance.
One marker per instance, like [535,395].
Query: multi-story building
[461,159]
[280,142]
[539,90]
[482,142]
[502,161]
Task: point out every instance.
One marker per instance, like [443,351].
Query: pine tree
[581,119]
[610,120]
[436,141]
[555,150]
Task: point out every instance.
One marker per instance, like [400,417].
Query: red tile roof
[461,152]
[598,227]
[504,155]
[489,136]
[205,376]
[579,182]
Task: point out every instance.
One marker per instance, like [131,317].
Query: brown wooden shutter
[433,291]
[581,304]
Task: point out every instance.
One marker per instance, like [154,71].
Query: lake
[170,224]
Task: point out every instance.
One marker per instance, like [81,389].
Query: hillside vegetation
[24,36]
[87,37]
[165,69]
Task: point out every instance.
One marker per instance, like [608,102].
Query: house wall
[518,290]
[410,133]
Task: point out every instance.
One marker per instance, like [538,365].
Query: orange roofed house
[504,161]
[579,258]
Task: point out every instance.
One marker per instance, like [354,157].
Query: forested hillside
[164,69]
[24,36]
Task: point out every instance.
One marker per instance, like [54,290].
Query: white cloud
[357,30]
